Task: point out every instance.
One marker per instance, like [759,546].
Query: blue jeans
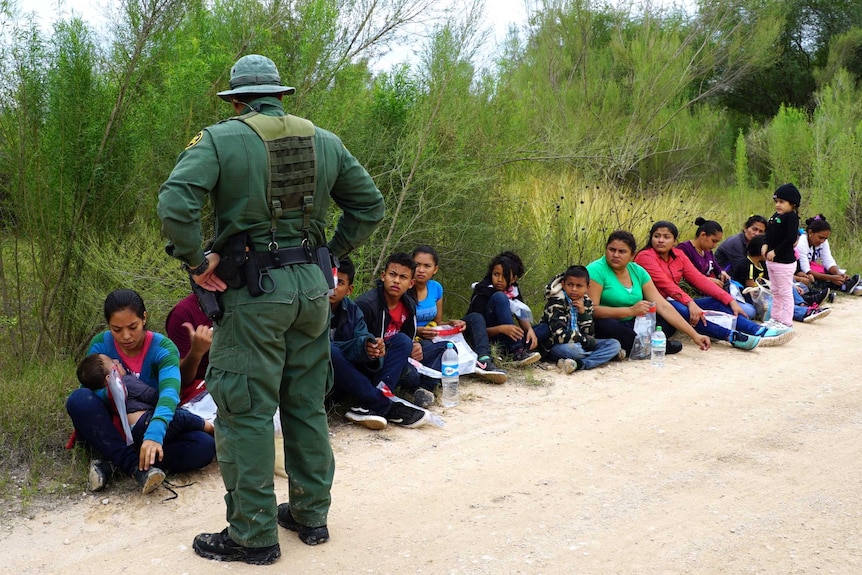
[476,334]
[743,324]
[95,426]
[606,350]
[360,383]
[498,312]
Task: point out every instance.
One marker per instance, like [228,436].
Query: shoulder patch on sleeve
[195,140]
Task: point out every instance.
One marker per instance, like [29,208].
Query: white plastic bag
[119,394]
[762,298]
[466,356]
[521,310]
[720,318]
[644,326]
[202,405]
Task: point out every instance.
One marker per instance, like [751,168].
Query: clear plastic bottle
[449,379]
[658,345]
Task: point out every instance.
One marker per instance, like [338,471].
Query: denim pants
[498,312]
[606,350]
[361,383]
[743,324]
[476,334]
[94,425]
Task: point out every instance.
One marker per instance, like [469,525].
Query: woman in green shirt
[621,290]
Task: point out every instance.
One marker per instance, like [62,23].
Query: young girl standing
[782,232]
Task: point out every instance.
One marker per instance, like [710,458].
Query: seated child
[359,359]
[569,315]
[390,314]
[746,273]
[429,313]
[141,400]
[493,297]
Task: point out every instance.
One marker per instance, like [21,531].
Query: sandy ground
[721,462]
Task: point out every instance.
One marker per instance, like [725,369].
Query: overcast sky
[499,14]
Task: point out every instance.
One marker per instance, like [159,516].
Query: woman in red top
[667,266]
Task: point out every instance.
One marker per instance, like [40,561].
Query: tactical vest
[292,163]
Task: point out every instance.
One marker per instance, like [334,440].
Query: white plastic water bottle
[658,345]
[449,379]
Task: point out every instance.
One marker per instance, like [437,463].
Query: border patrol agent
[269,177]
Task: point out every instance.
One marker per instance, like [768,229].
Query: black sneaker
[220,547]
[486,369]
[100,473]
[365,418]
[850,284]
[150,479]
[673,346]
[423,398]
[308,535]
[816,296]
[406,416]
[522,357]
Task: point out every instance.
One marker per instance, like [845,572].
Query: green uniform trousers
[272,351]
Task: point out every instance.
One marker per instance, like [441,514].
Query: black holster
[233,258]
[209,301]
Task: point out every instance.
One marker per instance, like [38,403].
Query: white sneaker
[365,418]
[816,313]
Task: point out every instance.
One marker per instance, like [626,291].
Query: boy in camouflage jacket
[568,314]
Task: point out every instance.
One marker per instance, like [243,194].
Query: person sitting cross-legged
[359,360]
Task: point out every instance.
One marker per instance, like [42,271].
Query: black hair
[658,225]
[755,246]
[121,299]
[708,227]
[576,272]
[511,265]
[91,372]
[346,267]
[426,249]
[817,224]
[403,259]
[623,236]
[754,219]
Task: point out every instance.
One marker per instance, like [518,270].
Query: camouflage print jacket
[558,315]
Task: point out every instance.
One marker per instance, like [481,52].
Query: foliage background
[594,116]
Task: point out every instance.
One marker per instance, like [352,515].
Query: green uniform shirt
[238,194]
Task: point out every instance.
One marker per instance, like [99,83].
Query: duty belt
[284,257]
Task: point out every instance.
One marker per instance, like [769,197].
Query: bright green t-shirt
[614,294]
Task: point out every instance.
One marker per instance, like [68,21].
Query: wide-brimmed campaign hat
[254,74]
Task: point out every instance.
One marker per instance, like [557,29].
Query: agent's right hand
[209,280]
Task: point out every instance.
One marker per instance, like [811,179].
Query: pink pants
[781,281]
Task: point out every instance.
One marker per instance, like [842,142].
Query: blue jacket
[348,332]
